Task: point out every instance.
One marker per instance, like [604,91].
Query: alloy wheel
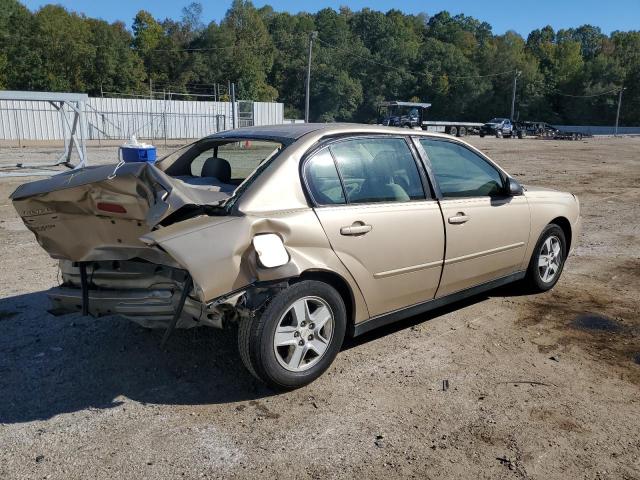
[303,334]
[550,259]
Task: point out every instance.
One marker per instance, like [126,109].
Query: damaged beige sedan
[298,235]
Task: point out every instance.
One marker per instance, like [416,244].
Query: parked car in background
[316,232]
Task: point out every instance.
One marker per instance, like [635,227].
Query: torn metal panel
[92,215]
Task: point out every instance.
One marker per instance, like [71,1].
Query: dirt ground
[541,386]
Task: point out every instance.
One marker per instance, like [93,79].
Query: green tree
[360,57]
[115,66]
[62,40]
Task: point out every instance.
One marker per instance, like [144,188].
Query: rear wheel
[297,336]
[453,131]
[547,260]
[462,132]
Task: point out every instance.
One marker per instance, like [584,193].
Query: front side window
[461,172]
[378,170]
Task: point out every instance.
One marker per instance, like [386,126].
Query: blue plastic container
[138,154]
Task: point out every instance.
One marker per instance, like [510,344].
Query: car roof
[289,133]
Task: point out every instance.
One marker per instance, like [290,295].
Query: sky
[521,16]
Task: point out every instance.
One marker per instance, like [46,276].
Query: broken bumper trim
[149,308]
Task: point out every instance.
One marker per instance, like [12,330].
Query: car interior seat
[379,183]
[215,175]
[217,167]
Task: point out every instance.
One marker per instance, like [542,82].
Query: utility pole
[513,96]
[150,89]
[618,112]
[233,105]
[312,36]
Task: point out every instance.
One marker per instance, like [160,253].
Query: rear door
[487,230]
[381,220]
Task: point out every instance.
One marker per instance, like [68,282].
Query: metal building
[119,118]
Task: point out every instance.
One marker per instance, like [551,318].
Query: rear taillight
[111,207]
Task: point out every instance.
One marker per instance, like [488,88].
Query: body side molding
[419,308]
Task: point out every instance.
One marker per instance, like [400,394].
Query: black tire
[481,134]
[534,279]
[256,336]
[499,134]
[462,132]
[453,131]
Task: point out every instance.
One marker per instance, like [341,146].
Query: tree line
[457,63]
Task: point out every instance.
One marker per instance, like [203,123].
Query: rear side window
[378,170]
[323,180]
[461,172]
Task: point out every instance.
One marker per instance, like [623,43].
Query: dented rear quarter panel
[218,251]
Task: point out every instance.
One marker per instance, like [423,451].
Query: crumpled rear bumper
[151,308]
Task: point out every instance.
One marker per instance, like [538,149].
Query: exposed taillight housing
[111,207]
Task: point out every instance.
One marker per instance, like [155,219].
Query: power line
[209,49]
[177,50]
[403,70]
[608,92]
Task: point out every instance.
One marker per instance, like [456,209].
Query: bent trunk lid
[100,213]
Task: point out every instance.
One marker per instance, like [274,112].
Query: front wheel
[547,260]
[297,336]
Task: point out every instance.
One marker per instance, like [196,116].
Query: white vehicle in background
[500,127]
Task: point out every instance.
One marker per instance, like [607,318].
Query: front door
[487,230]
[378,219]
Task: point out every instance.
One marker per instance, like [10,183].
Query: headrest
[382,165]
[217,167]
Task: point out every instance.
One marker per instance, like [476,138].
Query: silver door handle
[459,218]
[355,229]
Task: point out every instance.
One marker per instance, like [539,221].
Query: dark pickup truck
[503,127]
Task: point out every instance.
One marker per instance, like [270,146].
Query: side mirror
[515,188]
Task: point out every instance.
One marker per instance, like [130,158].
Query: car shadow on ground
[53,365]
[511,290]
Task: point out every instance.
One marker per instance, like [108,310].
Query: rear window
[243,157]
